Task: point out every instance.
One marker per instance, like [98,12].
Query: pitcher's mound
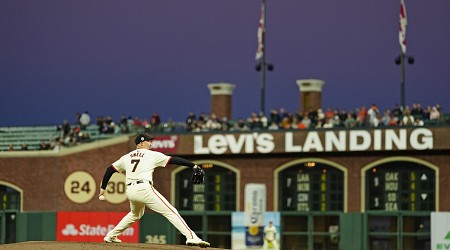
[54,245]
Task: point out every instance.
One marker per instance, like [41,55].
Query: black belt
[138,182]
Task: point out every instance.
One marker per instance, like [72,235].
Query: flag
[403,23]
[260,34]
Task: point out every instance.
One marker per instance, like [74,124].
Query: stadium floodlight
[400,60]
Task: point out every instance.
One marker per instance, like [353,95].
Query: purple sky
[113,57]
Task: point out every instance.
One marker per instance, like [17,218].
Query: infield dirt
[53,245]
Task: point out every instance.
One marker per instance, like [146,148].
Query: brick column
[221,97]
[310,94]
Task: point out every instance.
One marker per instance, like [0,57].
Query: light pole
[401,60]
[261,66]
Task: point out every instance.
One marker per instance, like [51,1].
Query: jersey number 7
[136,163]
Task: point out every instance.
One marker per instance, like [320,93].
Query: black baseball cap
[143,137]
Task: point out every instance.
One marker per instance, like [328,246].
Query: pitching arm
[108,173]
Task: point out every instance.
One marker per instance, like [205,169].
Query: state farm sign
[92,226]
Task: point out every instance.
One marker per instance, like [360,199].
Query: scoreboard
[399,185]
[311,186]
[218,193]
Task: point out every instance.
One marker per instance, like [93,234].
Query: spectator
[85,120]
[393,121]
[320,115]
[146,124]
[282,113]
[44,145]
[408,119]
[285,123]
[441,112]
[99,121]
[263,119]
[373,114]
[350,121]
[306,121]
[319,124]
[426,113]
[11,147]
[130,124]
[155,122]
[329,113]
[137,122]
[418,122]
[295,123]
[114,128]
[435,115]
[65,127]
[274,117]
[328,123]
[213,124]
[254,122]
[104,129]
[190,121]
[386,118]
[273,126]
[361,116]
[336,121]
[313,116]
[169,126]
[77,118]
[240,125]
[200,126]
[24,147]
[56,145]
[225,123]
[417,111]
[397,112]
[123,124]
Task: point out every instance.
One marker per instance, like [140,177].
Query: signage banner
[318,141]
[92,226]
[165,144]
[440,230]
[255,207]
[239,231]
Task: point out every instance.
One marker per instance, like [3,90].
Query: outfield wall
[318,178]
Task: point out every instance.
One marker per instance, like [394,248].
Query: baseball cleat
[108,239]
[197,242]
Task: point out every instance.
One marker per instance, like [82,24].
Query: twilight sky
[59,57]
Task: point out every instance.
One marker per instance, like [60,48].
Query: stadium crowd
[278,119]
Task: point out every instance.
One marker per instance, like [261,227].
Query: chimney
[310,94]
[221,96]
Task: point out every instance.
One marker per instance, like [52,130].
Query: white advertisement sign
[440,230]
[239,232]
[255,207]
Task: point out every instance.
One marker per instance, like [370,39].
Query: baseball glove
[198,175]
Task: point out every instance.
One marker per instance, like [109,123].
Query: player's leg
[136,212]
[159,204]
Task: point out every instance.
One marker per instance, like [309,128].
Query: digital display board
[217,193]
[405,186]
[9,198]
[311,186]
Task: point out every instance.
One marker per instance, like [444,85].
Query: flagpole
[261,54]
[403,80]
[263,61]
[402,57]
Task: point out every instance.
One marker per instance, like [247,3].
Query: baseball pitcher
[138,166]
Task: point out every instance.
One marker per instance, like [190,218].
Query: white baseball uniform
[139,166]
[270,232]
